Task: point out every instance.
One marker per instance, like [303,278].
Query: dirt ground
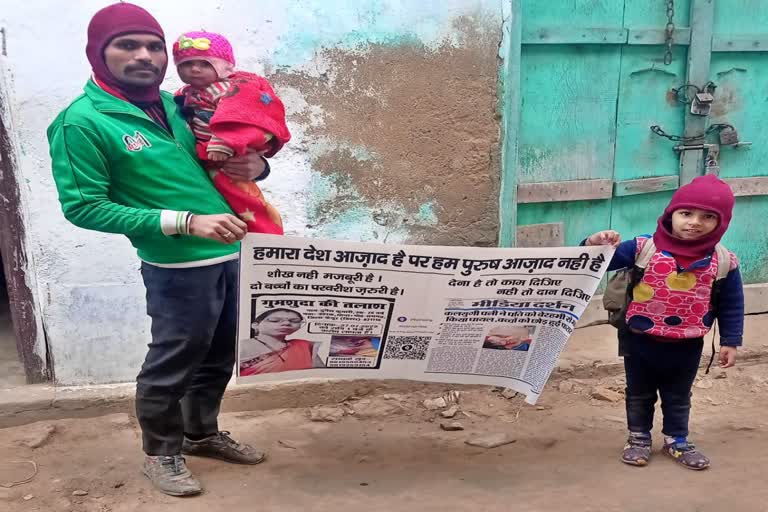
[389,453]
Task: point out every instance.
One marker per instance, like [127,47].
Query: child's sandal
[686,454]
[637,451]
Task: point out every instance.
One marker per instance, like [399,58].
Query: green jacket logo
[137,142]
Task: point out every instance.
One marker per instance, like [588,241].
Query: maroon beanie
[113,21]
[705,193]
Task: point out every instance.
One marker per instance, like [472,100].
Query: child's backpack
[618,292]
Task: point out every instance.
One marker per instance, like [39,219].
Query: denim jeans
[666,368]
[192,353]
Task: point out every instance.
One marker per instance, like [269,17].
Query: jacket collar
[106,102]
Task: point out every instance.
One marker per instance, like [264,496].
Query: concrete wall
[393,108]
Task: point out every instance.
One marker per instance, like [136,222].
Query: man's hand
[224,228]
[727,357]
[245,168]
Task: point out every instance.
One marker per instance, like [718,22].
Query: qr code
[407,347]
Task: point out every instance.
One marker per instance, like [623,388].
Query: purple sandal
[686,454]
[637,451]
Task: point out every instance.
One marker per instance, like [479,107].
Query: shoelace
[175,462]
[224,434]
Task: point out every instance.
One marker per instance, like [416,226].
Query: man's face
[136,59]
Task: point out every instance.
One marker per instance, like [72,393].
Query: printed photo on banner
[302,332]
[509,337]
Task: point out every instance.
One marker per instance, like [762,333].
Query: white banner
[470,315]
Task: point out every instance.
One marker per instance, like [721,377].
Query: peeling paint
[406,125]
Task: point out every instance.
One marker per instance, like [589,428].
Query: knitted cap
[116,20]
[208,46]
[704,193]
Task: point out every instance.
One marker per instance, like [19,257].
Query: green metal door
[591,80]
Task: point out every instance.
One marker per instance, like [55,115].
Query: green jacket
[117,171]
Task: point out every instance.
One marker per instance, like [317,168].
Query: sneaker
[221,446]
[685,454]
[170,475]
[637,451]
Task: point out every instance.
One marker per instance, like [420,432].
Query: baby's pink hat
[208,46]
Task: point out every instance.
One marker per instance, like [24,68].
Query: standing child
[230,112]
[670,312]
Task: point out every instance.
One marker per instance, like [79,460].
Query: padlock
[702,104]
[729,137]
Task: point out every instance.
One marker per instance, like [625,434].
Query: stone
[508,393]
[450,412]
[435,404]
[566,387]
[28,497]
[720,374]
[79,492]
[39,436]
[606,395]
[326,414]
[489,441]
[369,409]
[703,384]
[453,426]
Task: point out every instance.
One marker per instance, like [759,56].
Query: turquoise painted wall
[592,80]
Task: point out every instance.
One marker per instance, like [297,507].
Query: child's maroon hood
[705,193]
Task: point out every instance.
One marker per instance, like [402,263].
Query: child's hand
[217,156]
[247,167]
[607,237]
[727,357]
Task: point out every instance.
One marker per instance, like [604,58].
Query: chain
[718,127]
[669,32]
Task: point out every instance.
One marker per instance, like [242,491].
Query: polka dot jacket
[675,302]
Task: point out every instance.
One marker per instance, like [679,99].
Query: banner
[350,310]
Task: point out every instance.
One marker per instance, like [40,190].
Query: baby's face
[197,73]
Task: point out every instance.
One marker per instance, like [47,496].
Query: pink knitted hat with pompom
[208,46]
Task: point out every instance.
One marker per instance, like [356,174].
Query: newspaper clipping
[319,308]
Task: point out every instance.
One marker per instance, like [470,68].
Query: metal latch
[712,165]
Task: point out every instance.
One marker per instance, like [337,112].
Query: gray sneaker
[221,446]
[170,475]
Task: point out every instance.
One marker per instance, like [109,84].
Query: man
[124,162]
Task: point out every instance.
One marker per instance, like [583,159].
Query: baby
[230,112]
